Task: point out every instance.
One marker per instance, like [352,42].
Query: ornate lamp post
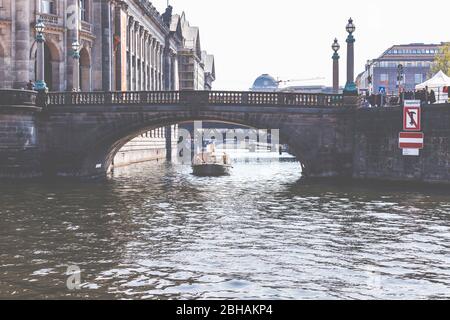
[350,86]
[336,57]
[40,84]
[76,65]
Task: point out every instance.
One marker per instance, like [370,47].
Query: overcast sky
[291,39]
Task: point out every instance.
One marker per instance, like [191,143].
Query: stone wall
[141,149]
[20,154]
[376,147]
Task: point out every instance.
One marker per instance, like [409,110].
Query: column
[145,61]
[150,52]
[136,50]
[155,66]
[350,86]
[122,37]
[22,43]
[168,69]
[336,57]
[176,79]
[40,84]
[149,63]
[130,52]
[106,46]
[168,136]
[158,83]
[161,67]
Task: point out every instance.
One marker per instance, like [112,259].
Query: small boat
[211,170]
[208,164]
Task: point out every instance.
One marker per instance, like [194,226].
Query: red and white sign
[412,116]
[411,140]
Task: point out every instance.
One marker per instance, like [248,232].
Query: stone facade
[382,72]
[125,45]
[377,154]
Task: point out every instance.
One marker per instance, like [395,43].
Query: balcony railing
[86,26]
[49,19]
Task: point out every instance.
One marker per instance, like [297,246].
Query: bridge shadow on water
[368,186]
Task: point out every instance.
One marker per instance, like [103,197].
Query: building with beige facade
[124,46]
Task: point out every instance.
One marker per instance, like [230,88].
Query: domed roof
[265,82]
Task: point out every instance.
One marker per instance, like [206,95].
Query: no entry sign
[411,140]
[412,116]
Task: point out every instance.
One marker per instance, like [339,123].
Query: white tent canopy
[439,81]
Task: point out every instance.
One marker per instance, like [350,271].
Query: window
[84,10]
[48,7]
[418,78]
[384,78]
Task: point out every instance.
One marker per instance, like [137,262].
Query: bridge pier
[20,144]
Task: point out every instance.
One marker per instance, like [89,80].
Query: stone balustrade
[194,98]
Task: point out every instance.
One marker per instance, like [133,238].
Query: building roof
[208,60]
[413,51]
[190,34]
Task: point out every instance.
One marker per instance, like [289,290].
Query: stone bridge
[77,134]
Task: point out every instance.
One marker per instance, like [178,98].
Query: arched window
[85,70]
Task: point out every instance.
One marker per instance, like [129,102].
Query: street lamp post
[76,65]
[40,84]
[336,57]
[350,86]
[400,78]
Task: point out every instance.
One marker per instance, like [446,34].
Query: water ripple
[158,232]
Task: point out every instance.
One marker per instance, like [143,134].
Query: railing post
[351,99]
[41,99]
[108,98]
[244,98]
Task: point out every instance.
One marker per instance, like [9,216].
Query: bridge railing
[117,98]
[275,98]
[194,98]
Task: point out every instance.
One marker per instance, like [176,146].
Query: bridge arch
[100,144]
[106,147]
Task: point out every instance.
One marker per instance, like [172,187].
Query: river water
[154,231]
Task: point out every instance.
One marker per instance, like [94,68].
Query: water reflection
[156,231]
